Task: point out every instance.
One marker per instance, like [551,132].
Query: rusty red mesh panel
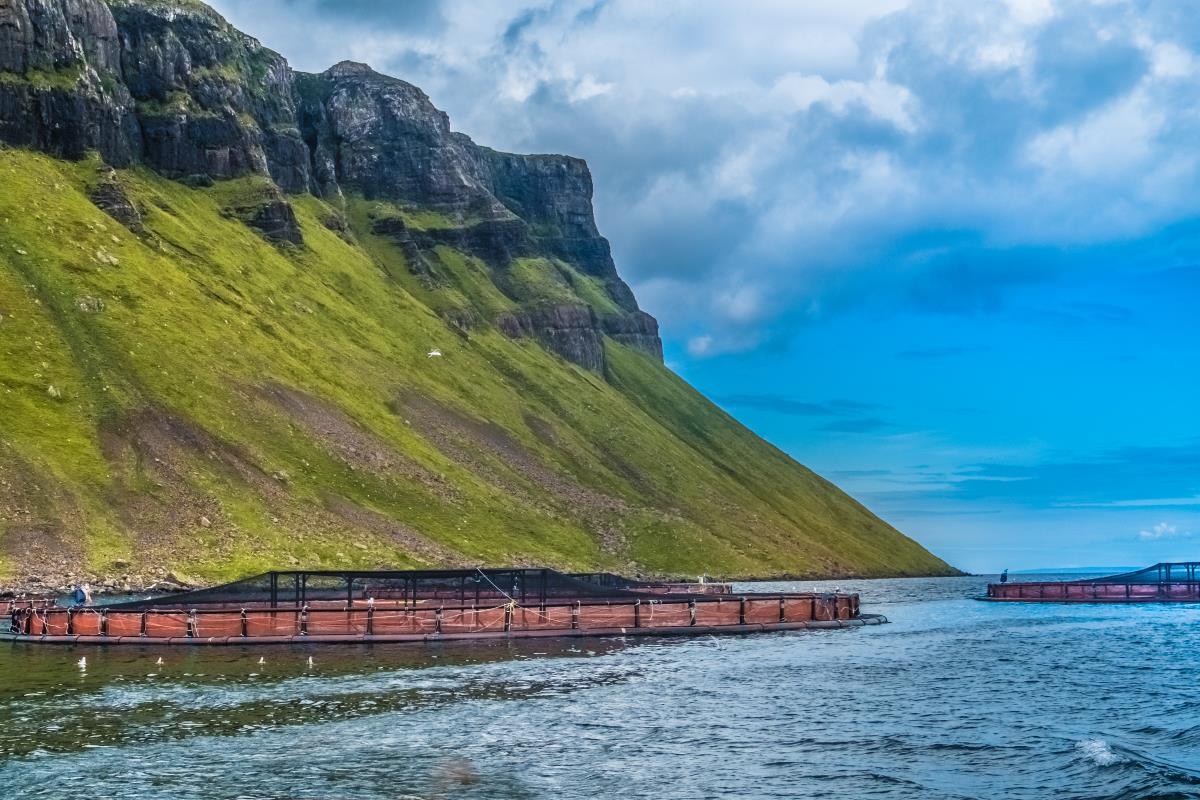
[824,609]
[336,622]
[166,625]
[534,619]
[391,622]
[844,608]
[606,616]
[797,609]
[357,621]
[717,612]
[271,623]
[461,620]
[124,623]
[397,622]
[216,626]
[86,622]
[488,619]
[666,614]
[762,612]
[55,622]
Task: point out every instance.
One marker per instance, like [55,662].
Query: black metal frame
[1157,573]
[288,588]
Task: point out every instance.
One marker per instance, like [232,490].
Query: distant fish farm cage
[1161,583]
[430,605]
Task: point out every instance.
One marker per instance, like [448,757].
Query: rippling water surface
[954,699]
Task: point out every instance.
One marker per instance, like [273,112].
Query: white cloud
[1162,531]
[1112,142]
[700,346]
[799,153]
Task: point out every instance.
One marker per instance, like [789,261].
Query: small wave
[1098,752]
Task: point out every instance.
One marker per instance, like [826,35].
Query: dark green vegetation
[215,359]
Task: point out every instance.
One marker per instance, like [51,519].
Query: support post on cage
[742,611]
[575,616]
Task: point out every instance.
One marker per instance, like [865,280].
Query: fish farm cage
[426,605]
[1177,582]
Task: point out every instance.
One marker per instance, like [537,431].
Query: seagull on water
[159,662]
[310,662]
[261,660]
[83,663]
[434,353]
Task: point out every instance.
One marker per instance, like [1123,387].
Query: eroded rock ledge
[171,85]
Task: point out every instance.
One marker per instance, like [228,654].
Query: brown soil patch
[467,440]
[155,455]
[35,517]
[357,447]
[541,429]
[421,547]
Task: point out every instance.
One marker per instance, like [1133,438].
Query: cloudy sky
[941,251]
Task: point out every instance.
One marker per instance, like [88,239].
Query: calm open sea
[954,699]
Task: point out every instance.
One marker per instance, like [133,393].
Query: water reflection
[127,696]
[954,699]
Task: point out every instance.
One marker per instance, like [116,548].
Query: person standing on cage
[1004,576]
[82,595]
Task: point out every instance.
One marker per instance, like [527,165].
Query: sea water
[954,699]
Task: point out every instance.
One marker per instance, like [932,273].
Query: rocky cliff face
[170,85]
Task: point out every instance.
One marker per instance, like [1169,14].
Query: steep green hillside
[197,398]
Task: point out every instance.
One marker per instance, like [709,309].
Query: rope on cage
[483,575]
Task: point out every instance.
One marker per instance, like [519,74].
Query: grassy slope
[201,314]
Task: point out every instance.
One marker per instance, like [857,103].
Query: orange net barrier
[1159,583]
[279,623]
[168,625]
[1064,591]
[370,619]
[666,614]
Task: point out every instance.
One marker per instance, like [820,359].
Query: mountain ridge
[218,282]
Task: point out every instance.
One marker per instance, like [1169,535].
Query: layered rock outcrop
[171,85]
